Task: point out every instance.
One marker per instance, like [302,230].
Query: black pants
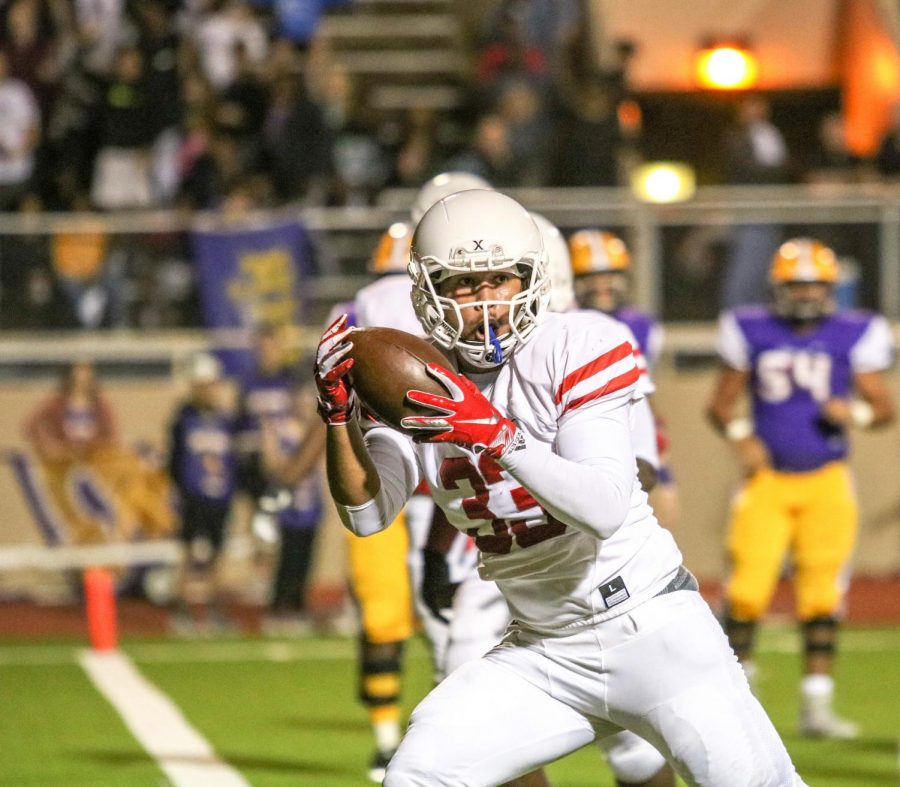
[292,575]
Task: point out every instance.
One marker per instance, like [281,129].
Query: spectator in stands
[887,159]
[755,150]
[217,34]
[26,287]
[38,43]
[362,164]
[539,24]
[102,29]
[490,154]
[587,137]
[88,275]
[417,152]
[210,165]
[202,465]
[755,154]
[241,109]
[159,42]
[298,143]
[522,41]
[832,161]
[126,128]
[522,107]
[20,128]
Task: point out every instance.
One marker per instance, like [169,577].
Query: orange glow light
[726,68]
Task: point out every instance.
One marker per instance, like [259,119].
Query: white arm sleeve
[731,344]
[656,338]
[643,432]
[593,452]
[874,350]
[398,470]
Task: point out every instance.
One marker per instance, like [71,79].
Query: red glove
[467,418]
[336,396]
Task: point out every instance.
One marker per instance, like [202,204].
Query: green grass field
[284,713]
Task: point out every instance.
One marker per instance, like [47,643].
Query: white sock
[387,735]
[817,686]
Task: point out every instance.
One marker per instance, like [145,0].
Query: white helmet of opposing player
[441,186]
[478,231]
[559,264]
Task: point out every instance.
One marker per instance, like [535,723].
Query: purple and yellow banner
[250,278]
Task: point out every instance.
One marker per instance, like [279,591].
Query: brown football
[386,364]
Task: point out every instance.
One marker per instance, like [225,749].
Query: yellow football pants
[813,515]
[379,580]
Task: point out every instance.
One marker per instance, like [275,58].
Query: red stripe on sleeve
[599,363]
[616,384]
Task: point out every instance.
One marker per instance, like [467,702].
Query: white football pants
[663,670]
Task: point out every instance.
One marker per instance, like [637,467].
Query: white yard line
[184,754]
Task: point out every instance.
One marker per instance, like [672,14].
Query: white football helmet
[559,264]
[441,186]
[478,231]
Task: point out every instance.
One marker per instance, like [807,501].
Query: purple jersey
[645,329]
[793,373]
[202,459]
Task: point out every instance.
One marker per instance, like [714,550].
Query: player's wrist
[862,414]
[509,440]
[738,429]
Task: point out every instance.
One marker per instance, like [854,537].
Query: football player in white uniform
[531,452]
[476,612]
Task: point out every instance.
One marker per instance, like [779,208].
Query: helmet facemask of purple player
[601,265]
[803,275]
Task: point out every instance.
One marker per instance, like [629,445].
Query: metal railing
[345,237]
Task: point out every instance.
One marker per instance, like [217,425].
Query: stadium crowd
[225,105]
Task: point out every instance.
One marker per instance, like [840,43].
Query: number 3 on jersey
[779,371]
[461,468]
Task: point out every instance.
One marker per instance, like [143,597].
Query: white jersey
[386,303]
[575,366]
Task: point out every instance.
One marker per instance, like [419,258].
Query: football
[386,364]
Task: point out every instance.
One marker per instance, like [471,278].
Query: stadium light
[663,182]
[726,67]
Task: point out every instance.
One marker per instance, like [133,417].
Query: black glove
[437,589]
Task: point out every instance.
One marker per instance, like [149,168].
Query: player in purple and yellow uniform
[810,373]
[268,405]
[290,449]
[202,465]
[601,266]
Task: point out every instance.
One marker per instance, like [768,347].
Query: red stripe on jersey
[599,363]
[637,359]
[616,384]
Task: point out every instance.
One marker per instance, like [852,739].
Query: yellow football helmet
[597,251]
[804,261]
[392,252]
